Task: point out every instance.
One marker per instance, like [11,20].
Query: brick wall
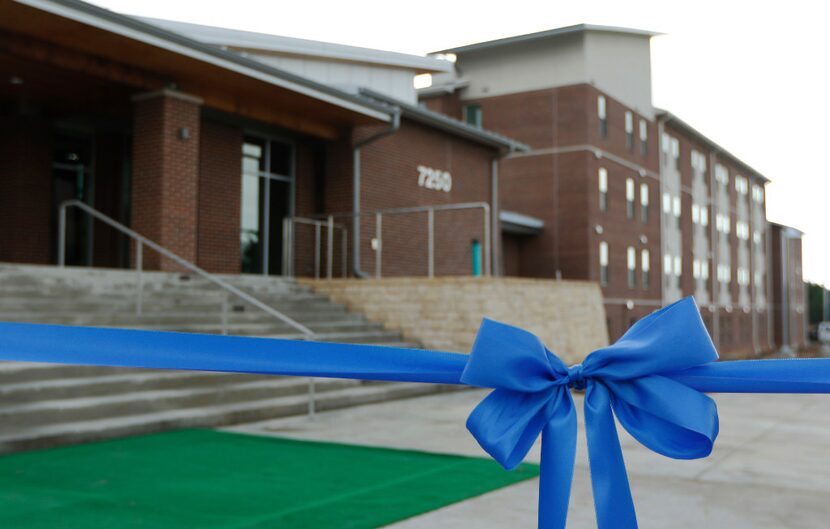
[219,192]
[445,313]
[26,199]
[389,179]
[166,174]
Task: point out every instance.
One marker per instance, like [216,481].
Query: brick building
[623,193]
[207,148]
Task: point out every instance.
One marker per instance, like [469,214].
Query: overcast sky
[753,76]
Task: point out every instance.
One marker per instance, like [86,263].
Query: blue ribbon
[653,379]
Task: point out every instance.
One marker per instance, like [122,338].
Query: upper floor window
[603,188]
[742,230]
[675,152]
[666,203]
[629,198]
[723,223]
[631,261]
[698,161]
[678,269]
[603,263]
[645,267]
[629,130]
[643,137]
[721,174]
[644,202]
[603,120]
[741,185]
[724,273]
[757,193]
[472,115]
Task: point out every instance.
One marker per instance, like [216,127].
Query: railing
[330,226]
[142,241]
[316,220]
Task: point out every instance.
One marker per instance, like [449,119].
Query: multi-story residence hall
[616,191]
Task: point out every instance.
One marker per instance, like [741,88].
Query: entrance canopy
[93,42]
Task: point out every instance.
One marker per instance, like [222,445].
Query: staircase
[46,404]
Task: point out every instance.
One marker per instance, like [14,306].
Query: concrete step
[133,380]
[115,318]
[208,416]
[83,408]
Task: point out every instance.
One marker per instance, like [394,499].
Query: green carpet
[195,479]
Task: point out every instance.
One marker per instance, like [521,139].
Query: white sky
[753,76]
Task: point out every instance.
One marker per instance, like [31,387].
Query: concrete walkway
[770,467]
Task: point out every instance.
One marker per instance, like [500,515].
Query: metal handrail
[378,215]
[141,241]
[331,226]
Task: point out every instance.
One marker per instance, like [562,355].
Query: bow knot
[575,378]
[532,396]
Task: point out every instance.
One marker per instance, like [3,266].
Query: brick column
[165,180]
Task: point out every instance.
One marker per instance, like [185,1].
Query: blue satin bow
[532,396]
[653,379]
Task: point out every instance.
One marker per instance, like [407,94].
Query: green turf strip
[204,479]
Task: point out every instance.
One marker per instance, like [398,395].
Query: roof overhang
[519,224]
[223,79]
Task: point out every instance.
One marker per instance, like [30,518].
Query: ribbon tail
[557,465]
[612,495]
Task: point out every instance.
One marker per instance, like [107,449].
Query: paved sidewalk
[770,468]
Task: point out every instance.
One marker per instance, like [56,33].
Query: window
[629,130]
[629,198]
[645,267]
[704,216]
[667,265]
[664,145]
[741,185]
[666,203]
[676,209]
[631,261]
[742,230]
[743,276]
[644,202]
[603,263]
[675,152]
[698,161]
[695,214]
[721,174]
[643,137]
[472,115]
[757,237]
[603,189]
[724,273]
[704,269]
[696,269]
[603,121]
[757,193]
[723,223]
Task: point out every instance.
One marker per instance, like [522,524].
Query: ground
[769,469]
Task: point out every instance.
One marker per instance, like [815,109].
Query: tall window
[603,189]
[643,137]
[472,115]
[629,130]
[675,152]
[631,261]
[645,267]
[603,120]
[721,174]
[629,198]
[644,202]
[603,263]
[266,187]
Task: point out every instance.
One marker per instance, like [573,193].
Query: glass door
[267,185]
[71,179]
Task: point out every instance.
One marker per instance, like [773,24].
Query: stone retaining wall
[445,313]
